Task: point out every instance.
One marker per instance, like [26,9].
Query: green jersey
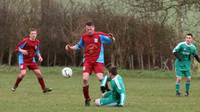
[186,51]
[117,88]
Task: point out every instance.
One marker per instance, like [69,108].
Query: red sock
[86,92]
[18,80]
[42,84]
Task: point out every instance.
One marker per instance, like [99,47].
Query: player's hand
[111,36]
[68,47]
[40,58]
[103,94]
[24,52]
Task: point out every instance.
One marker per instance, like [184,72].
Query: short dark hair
[33,29]
[89,23]
[190,34]
[113,70]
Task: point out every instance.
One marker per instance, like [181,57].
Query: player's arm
[178,56]
[38,53]
[77,46]
[120,90]
[106,78]
[122,99]
[103,83]
[122,96]
[107,39]
[176,52]
[20,46]
[112,37]
[197,58]
[195,54]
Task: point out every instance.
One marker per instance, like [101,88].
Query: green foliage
[147,91]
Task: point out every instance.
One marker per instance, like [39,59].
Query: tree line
[144,35]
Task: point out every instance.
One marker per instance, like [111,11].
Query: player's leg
[187,83]
[178,81]
[40,78]
[20,76]
[107,100]
[99,70]
[107,94]
[41,81]
[87,68]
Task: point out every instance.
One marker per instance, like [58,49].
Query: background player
[117,95]
[92,42]
[183,52]
[27,50]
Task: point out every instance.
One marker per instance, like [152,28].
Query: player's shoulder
[117,77]
[26,38]
[193,46]
[84,34]
[101,33]
[181,43]
[38,41]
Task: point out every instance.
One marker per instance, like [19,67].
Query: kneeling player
[117,95]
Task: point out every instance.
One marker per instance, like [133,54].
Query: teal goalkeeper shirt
[117,88]
[186,51]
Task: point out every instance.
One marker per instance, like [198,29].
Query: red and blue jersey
[32,47]
[93,46]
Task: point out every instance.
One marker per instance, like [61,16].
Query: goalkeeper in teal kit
[117,95]
[183,53]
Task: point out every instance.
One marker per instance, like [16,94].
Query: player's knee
[97,102]
[178,80]
[22,74]
[100,76]
[85,82]
[188,79]
[86,76]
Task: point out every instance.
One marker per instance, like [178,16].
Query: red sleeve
[21,43]
[38,42]
[102,33]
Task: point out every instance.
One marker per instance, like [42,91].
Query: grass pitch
[147,91]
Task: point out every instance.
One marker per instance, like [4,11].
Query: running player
[27,51]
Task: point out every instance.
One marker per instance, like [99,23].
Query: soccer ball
[67,72]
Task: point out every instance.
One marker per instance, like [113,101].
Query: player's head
[189,38]
[33,33]
[113,71]
[89,28]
